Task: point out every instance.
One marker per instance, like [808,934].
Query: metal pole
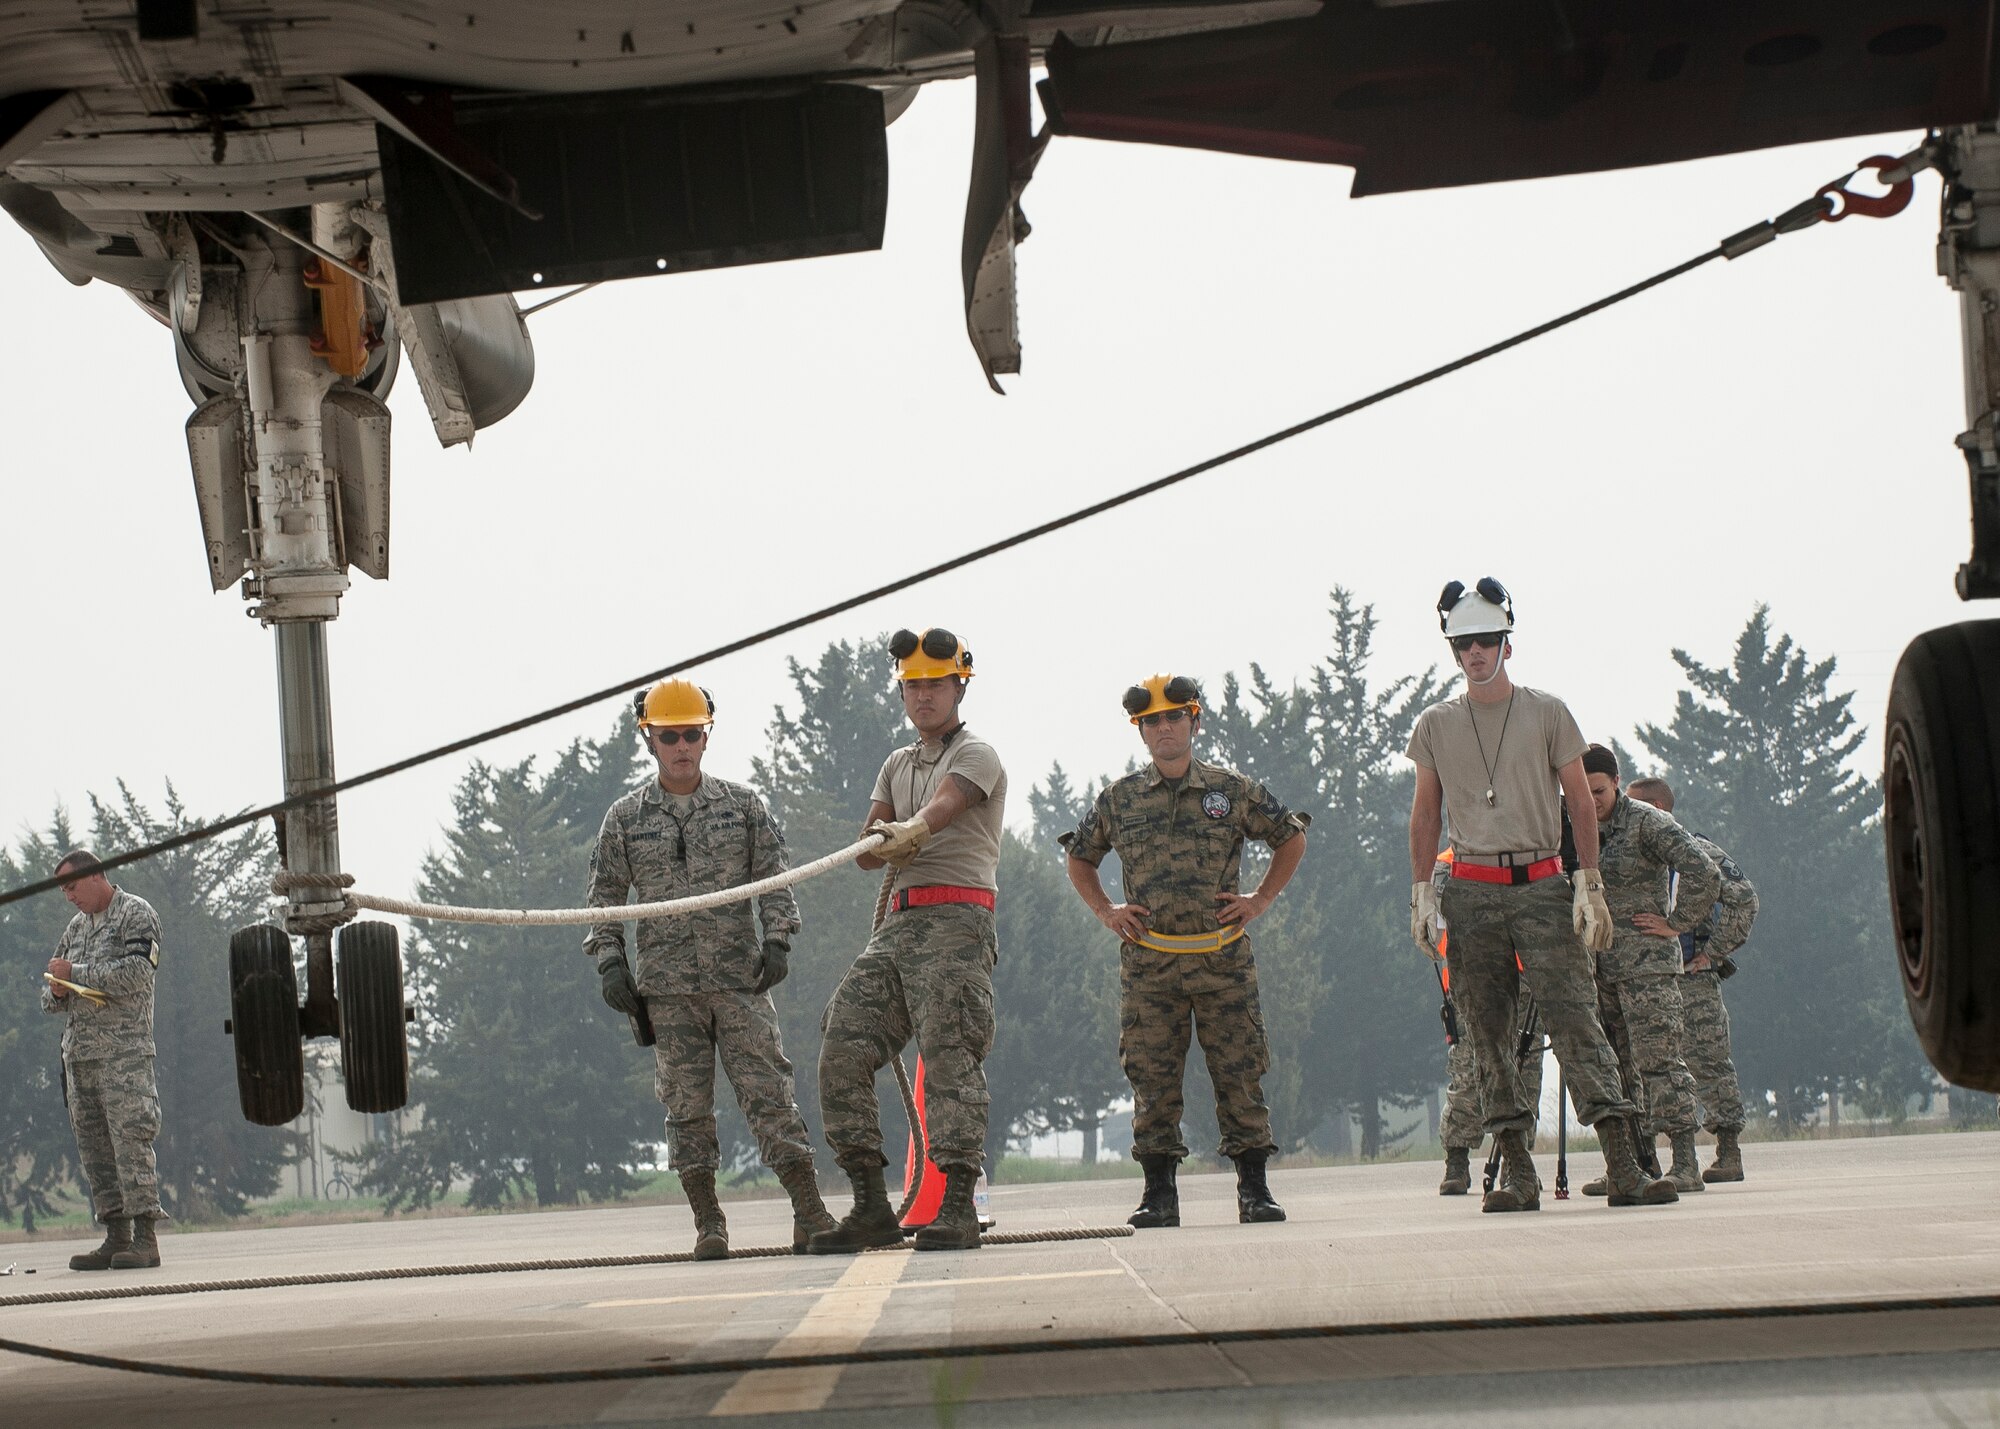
[312,832]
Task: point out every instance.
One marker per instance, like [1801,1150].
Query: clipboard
[92,993]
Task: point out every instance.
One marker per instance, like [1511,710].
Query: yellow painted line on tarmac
[842,1321]
[842,1288]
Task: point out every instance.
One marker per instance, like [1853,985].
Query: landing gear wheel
[374,1055]
[264,1019]
[1941,820]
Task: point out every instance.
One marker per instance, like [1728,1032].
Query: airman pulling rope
[1831,203]
[1170,1339]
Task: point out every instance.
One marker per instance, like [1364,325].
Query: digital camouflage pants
[741,1028]
[114,1109]
[1161,996]
[1642,1017]
[1706,1050]
[1492,924]
[927,973]
[1463,1125]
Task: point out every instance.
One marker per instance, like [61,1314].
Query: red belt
[931,894]
[1515,874]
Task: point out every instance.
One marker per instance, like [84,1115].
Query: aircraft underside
[312,197]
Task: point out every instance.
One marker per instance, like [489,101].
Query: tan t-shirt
[1540,736]
[967,852]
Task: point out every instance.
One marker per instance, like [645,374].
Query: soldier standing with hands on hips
[1178,827]
[1504,761]
[705,977]
[927,971]
[101,979]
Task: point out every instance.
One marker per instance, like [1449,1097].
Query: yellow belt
[1190,942]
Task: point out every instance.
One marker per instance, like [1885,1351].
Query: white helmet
[1486,609]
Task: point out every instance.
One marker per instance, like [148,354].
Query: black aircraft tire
[374,1051]
[264,1020]
[1941,821]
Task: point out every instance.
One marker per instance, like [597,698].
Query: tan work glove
[900,841]
[1424,918]
[1589,914]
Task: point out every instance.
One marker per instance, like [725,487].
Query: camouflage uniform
[697,971]
[1508,936]
[1638,978]
[1180,846]
[926,973]
[1463,1126]
[1706,1047]
[114,1102]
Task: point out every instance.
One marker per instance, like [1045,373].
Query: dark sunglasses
[675,736]
[1170,716]
[1463,643]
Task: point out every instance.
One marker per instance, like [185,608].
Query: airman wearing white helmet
[1504,761]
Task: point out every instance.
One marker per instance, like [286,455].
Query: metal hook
[1841,202]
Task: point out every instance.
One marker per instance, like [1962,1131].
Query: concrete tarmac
[1818,1223]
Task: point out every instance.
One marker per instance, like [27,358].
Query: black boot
[957,1223]
[1253,1193]
[1160,1204]
[711,1231]
[117,1237]
[1647,1147]
[144,1251]
[810,1216]
[872,1221]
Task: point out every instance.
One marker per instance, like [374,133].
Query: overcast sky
[705,454]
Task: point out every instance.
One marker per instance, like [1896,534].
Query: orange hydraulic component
[344,338]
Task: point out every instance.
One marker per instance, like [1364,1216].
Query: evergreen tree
[529,1085]
[1759,754]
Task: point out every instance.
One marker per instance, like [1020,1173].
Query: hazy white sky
[705,454]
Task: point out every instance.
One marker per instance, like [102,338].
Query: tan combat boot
[810,1216]
[957,1223]
[117,1237]
[1630,1186]
[144,1251]
[1518,1187]
[1457,1172]
[871,1223]
[1728,1163]
[711,1231]
[1685,1173]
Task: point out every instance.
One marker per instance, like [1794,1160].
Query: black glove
[614,976]
[775,966]
[1449,1012]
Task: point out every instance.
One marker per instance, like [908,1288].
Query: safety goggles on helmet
[1160,694]
[936,654]
[1486,609]
[671,737]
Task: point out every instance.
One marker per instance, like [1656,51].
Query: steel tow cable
[1830,203]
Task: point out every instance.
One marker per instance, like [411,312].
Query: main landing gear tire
[374,1054]
[264,1020]
[1941,820]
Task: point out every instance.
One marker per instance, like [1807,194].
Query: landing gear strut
[1941,773]
[297,445]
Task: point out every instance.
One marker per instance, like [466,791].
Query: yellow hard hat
[676,702]
[1163,692]
[930,656]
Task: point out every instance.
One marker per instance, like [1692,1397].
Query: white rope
[611,913]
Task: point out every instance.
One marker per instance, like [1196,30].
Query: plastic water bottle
[982,1201]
